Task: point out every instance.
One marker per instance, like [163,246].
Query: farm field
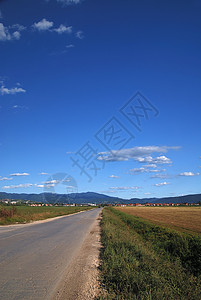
[26,214]
[143,260]
[182,218]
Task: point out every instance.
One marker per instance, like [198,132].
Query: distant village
[31,203]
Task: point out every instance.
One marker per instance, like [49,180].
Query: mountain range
[91,197]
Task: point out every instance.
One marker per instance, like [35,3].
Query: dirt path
[81,279]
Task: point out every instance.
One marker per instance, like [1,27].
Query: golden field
[183,218]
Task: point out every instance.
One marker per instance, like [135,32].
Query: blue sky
[100,96]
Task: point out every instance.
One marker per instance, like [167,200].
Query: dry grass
[183,218]
[25,214]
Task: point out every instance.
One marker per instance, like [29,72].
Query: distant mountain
[91,197]
[180,199]
[88,197]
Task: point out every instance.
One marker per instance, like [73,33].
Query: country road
[34,258]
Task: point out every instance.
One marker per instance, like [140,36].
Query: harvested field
[183,218]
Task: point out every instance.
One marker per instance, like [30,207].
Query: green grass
[25,214]
[141,260]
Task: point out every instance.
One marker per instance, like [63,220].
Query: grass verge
[26,214]
[141,260]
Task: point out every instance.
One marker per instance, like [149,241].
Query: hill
[91,197]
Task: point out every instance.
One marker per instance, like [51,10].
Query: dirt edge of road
[81,281]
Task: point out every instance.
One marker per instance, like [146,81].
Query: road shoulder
[81,281]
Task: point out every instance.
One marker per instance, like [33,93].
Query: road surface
[34,258]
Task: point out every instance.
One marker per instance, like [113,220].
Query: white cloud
[79,34]
[52,182]
[157,160]
[20,174]
[11,91]
[147,193]
[43,25]
[140,154]
[63,29]
[113,176]
[40,185]
[189,174]
[162,183]
[25,185]
[17,35]
[43,173]
[50,185]
[6,35]
[124,188]
[139,170]
[5,178]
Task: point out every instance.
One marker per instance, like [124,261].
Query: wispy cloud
[11,91]
[139,170]
[156,160]
[70,46]
[79,34]
[17,107]
[150,166]
[55,181]
[161,184]
[189,174]
[63,29]
[124,188]
[69,2]
[24,185]
[18,27]
[6,178]
[140,154]
[114,176]
[20,174]
[161,176]
[43,173]
[70,152]
[145,170]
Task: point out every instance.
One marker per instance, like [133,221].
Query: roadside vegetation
[142,260]
[26,214]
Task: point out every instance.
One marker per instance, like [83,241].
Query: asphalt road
[34,258]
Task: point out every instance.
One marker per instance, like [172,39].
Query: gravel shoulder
[81,281]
